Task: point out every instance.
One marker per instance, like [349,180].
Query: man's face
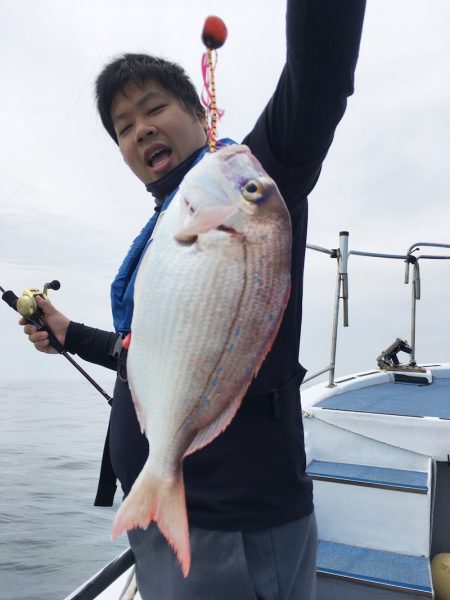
[155,131]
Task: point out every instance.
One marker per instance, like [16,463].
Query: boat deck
[405,399]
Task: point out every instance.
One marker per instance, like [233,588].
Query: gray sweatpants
[270,564]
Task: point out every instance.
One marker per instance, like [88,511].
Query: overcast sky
[69,207]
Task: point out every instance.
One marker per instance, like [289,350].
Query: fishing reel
[27,305]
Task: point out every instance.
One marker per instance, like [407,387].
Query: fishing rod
[27,307]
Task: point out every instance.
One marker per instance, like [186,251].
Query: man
[252,527]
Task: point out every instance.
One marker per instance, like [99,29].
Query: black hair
[138,69]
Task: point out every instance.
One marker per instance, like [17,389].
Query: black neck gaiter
[161,188]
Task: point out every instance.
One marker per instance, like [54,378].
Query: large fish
[209,297]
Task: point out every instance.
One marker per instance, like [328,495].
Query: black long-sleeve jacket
[253,474]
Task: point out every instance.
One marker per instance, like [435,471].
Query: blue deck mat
[385,568]
[407,399]
[361,473]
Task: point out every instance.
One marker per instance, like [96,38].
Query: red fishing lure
[214,32]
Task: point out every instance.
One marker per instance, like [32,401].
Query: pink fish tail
[160,500]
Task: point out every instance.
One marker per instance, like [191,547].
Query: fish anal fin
[163,501]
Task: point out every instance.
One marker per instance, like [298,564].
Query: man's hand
[56,321]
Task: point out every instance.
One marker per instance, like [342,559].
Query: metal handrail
[321,249]
[314,375]
[92,588]
[377,254]
[429,244]
[342,255]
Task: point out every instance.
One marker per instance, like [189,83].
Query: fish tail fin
[160,500]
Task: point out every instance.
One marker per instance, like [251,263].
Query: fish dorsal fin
[207,434]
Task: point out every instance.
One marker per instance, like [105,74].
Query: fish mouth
[231,231]
[189,239]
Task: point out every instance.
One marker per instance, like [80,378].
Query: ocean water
[52,538]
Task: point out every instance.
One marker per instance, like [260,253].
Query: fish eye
[252,191]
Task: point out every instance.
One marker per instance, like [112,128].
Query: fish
[209,297]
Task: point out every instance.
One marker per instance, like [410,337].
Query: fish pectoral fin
[163,501]
[207,434]
[202,220]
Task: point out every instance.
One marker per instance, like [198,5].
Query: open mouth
[157,155]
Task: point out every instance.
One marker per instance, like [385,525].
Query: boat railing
[97,584]
[342,254]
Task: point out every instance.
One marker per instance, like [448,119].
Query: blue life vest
[122,288]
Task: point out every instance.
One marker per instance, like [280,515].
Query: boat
[377,445]
[378,450]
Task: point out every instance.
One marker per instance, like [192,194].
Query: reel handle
[53,285]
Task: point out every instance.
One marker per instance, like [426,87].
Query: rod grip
[10,298]
[56,344]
